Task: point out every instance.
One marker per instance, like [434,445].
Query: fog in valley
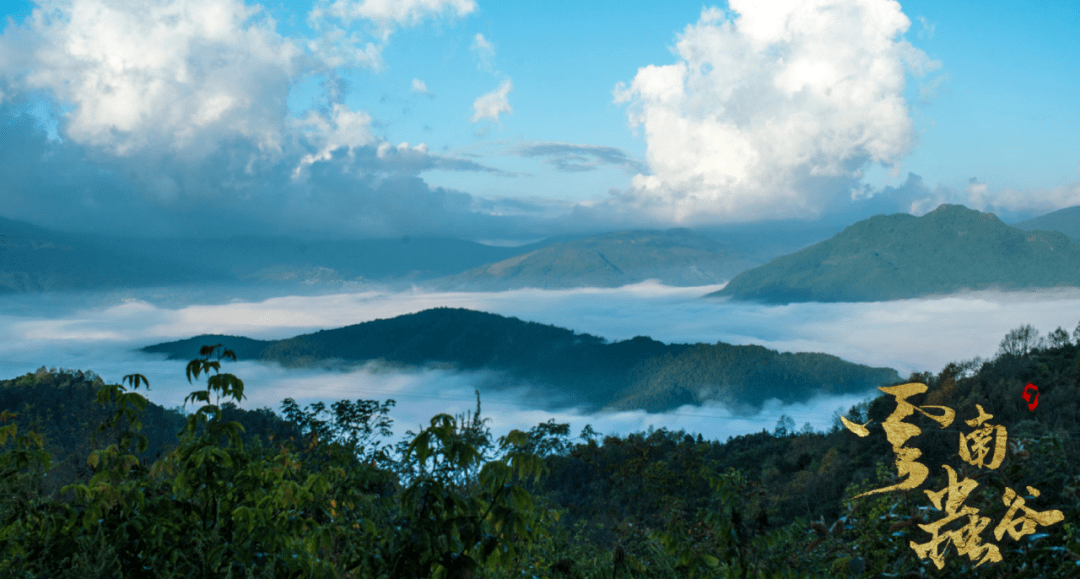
[103,331]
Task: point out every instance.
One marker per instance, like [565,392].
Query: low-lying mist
[102,332]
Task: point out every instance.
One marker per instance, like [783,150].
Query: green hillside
[677,257]
[1065,220]
[59,404]
[580,369]
[900,256]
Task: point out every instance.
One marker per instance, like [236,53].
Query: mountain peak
[952,208]
[899,256]
[961,213]
[677,256]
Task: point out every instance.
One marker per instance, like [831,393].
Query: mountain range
[34,259]
[563,367]
[881,258]
[890,257]
[678,257]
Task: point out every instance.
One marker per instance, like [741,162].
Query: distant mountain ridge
[254,258]
[33,259]
[677,257]
[577,369]
[889,257]
[1065,220]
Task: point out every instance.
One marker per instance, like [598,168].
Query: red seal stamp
[1031,396]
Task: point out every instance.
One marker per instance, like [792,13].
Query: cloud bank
[917,197]
[335,181]
[170,117]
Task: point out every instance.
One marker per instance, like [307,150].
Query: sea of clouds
[103,332]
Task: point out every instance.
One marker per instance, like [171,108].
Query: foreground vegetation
[97,482]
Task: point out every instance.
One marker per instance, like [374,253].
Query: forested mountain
[322,498]
[33,259]
[900,256]
[1065,220]
[579,369]
[292,260]
[884,257]
[677,257]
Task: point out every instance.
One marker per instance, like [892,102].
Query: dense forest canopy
[99,482]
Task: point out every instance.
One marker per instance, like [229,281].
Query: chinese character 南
[980,438]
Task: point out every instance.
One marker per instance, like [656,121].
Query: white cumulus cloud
[490,105]
[395,12]
[165,75]
[484,50]
[159,107]
[188,78]
[421,87]
[1008,203]
[1032,201]
[343,128]
[340,44]
[772,109]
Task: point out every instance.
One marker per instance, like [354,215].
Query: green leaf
[135,380]
[6,431]
[522,501]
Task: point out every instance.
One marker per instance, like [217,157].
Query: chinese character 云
[976,454]
[899,432]
[965,539]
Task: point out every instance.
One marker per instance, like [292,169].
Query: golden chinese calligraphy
[974,450]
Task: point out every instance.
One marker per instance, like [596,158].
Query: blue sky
[529,119]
